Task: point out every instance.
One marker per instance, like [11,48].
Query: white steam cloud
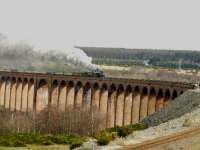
[22,56]
[71,53]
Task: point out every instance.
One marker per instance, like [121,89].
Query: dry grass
[148,73]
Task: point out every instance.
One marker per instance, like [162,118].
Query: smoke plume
[24,57]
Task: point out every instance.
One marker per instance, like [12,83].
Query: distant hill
[186,59]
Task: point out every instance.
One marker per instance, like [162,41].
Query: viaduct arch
[123,101]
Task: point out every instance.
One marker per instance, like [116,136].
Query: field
[185,59]
[152,73]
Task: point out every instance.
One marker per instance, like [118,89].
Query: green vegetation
[145,57]
[24,139]
[105,136]
[51,127]
[126,130]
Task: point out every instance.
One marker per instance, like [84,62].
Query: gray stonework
[185,103]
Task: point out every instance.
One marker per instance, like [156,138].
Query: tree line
[163,58]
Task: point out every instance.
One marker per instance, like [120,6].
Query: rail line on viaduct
[124,101]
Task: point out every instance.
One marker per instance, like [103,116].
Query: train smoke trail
[22,54]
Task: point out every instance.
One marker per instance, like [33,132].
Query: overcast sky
[61,24]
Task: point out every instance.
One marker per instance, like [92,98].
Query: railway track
[163,140]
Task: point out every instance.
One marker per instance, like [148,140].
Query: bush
[104,140]
[76,143]
[104,137]
[11,142]
[123,132]
[126,130]
[18,143]
[21,140]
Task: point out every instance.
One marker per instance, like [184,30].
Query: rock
[91,144]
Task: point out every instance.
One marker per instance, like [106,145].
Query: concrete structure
[123,101]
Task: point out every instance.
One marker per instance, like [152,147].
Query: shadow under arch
[87,94]
[25,86]
[111,106]
[174,95]
[119,106]
[152,101]
[167,97]
[31,93]
[136,105]
[2,90]
[127,105]
[42,95]
[143,103]
[19,94]
[62,96]
[103,99]
[78,94]
[54,93]
[159,100]
[95,95]
[70,94]
[13,93]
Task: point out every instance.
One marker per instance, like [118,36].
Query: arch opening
[167,97]
[160,100]
[174,95]
[42,95]
[127,105]
[19,94]
[144,103]
[111,106]
[70,94]
[119,106]
[96,96]
[78,94]
[87,94]
[62,95]
[136,105]
[152,101]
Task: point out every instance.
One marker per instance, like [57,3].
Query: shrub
[126,130]
[76,143]
[18,143]
[104,140]
[21,140]
[123,132]
[104,137]
[11,141]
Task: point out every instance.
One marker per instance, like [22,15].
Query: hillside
[186,59]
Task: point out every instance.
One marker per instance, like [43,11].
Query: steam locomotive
[92,73]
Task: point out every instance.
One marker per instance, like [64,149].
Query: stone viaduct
[124,101]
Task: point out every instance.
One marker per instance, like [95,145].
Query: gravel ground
[185,122]
[184,144]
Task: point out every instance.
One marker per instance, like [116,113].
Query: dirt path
[180,140]
[191,143]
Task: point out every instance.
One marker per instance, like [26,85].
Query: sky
[62,24]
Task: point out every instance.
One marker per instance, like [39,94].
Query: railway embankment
[183,104]
[180,115]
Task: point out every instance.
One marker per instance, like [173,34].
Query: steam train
[92,73]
